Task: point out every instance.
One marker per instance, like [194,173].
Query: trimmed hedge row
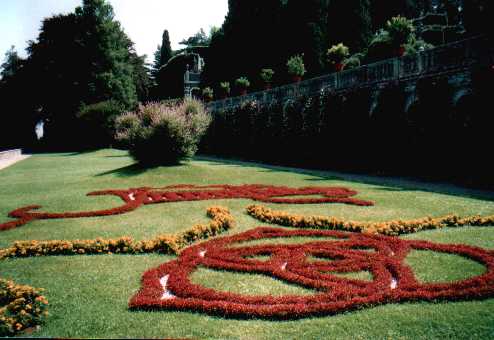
[432,137]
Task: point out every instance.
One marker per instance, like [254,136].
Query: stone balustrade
[450,58]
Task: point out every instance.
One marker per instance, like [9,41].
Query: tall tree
[162,55]
[17,117]
[79,59]
[198,39]
[11,64]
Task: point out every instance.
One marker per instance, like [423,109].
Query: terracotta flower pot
[243,92]
[267,86]
[297,79]
[338,67]
[401,51]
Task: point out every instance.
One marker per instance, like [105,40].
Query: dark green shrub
[242,84]
[161,134]
[207,93]
[351,62]
[400,30]
[380,47]
[337,53]
[267,75]
[225,89]
[296,66]
[97,123]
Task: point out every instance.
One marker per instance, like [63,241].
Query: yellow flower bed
[392,228]
[222,220]
[21,307]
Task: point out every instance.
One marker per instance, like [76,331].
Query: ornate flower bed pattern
[134,198]
[169,286]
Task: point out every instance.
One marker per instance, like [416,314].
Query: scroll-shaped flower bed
[169,286]
[135,198]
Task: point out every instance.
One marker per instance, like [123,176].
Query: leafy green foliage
[162,55]
[161,134]
[225,87]
[11,65]
[98,123]
[296,66]
[242,83]
[353,61]
[337,53]
[267,75]
[399,29]
[207,93]
[415,45]
[87,56]
[198,39]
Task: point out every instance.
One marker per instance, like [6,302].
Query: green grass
[89,295]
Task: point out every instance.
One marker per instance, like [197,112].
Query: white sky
[143,20]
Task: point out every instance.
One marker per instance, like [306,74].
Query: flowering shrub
[165,244]
[169,286]
[386,228]
[21,307]
[160,134]
[135,198]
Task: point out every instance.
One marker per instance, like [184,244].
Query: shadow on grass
[127,171]
[136,169]
[391,184]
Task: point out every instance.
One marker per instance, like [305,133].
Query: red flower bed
[134,198]
[169,285]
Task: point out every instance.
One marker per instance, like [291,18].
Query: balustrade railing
[450,57]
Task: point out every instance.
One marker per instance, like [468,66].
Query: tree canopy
[78,59]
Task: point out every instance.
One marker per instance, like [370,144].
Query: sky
[142,20]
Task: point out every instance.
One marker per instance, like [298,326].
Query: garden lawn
[88,295]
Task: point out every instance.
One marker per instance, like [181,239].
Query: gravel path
[4,163]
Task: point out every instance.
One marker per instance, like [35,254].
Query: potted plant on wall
[336,54]
[242,85]
[224,89]
[267,77]
[207,94]
[296,67]
[400,30]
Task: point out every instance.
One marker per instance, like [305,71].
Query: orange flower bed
[397,227]
[222,220]
[21,307]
